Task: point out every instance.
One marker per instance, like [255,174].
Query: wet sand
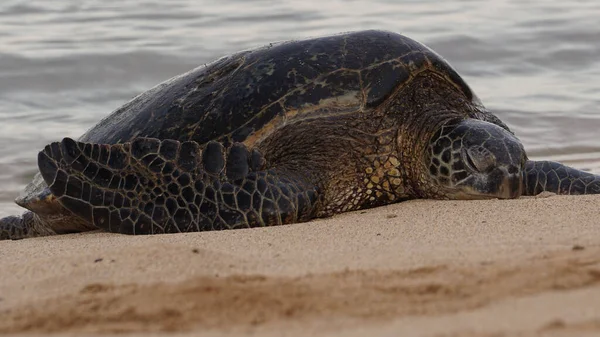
[527,267]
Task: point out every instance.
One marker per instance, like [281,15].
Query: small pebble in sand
[391,216]
[578,247]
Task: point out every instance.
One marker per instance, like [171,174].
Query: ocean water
[64,64]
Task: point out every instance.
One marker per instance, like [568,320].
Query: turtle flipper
[540,176]
[21,227]
[151,186]
[13,228]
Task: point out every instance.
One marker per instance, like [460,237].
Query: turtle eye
[479,159]
[469,161]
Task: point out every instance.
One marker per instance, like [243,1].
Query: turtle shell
[238,97]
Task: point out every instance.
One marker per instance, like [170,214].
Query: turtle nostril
[513,169]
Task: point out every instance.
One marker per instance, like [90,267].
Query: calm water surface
[66,64]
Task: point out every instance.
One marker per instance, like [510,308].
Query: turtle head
[473,159]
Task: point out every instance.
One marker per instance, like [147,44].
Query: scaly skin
[13,227]
[151,186]
[25,226]
[548,176]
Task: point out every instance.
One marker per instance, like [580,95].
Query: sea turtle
[283,134]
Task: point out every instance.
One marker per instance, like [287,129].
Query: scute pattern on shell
[233,98]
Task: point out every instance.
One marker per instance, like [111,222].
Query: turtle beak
[503,183]
[512,184]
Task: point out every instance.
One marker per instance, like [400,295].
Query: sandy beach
[527,267]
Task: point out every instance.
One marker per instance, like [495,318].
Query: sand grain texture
[528,267]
